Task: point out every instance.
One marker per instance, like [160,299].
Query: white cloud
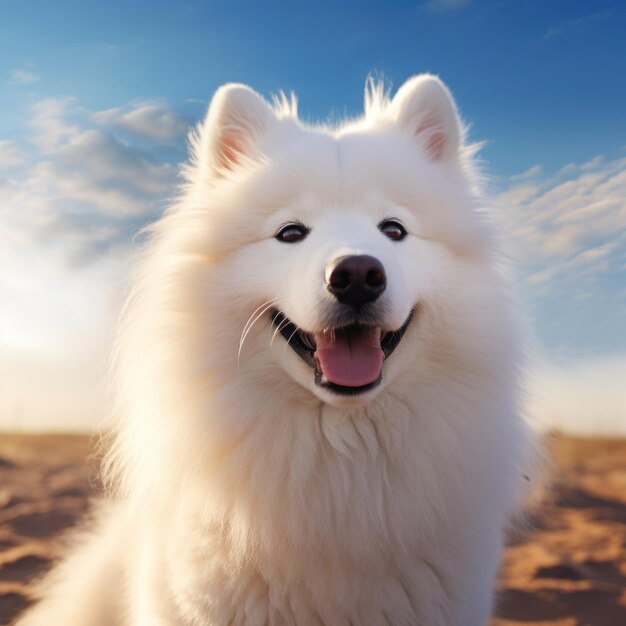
[585,398]
[11,156]
[50,122]
[150,120]
[85,191]
[569,231]
[84,186]
[23,77]
[571,222]
[55,336]
[576,25]
[531,172]
[95,168]
[75,197]
[599,252]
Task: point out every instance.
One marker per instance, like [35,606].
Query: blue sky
[522,70]
[95,100]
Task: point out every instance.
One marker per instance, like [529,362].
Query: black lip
[342,390]
[302,345]
[391,339]
[293,336]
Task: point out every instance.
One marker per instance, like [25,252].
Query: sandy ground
[567,569]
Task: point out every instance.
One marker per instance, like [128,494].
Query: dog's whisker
[282,325]
[291,337]
[252,320]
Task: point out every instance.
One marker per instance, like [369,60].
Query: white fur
[242,492]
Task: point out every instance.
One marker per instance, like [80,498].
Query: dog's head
[332,242]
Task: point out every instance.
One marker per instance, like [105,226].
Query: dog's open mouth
[346,360]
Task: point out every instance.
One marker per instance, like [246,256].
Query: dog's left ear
[237,119]
[424,107]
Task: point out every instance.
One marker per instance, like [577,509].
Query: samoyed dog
[318,383]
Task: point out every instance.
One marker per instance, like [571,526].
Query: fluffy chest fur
[355,519]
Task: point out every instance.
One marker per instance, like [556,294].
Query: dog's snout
[356,280]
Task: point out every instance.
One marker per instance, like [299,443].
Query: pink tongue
[350,359]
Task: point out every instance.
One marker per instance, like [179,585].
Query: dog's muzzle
[345,359]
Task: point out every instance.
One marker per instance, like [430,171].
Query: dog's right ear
[424,107]
[237,118]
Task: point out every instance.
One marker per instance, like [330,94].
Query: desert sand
[566,568]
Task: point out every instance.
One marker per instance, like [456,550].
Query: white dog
[318,380]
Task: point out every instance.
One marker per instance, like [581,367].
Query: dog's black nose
[356,280]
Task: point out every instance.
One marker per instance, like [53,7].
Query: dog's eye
[292,233]
[392,229]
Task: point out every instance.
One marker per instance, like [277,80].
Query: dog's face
[345,295]
[336,240]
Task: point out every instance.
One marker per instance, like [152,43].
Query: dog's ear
[237,118]
[424,107]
